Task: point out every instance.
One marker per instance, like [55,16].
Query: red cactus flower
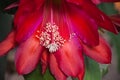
[57,33]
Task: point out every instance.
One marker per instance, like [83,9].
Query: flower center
[50,37]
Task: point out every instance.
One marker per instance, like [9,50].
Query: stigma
[50,37]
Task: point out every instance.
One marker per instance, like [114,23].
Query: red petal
[99,17]
[96,1]
[32,3]
[28,55]
[58,74]
[84,25]
[24,10]
[26,7]
[100,53]
[28,27]
[78,2]
[116,21]
[44,61]
[60,21]
[7,44]
[81,75]
[115,18]
[70,59]
[110,0]
[57,16]
[99,1]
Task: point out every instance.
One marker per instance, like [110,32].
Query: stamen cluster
[50,37]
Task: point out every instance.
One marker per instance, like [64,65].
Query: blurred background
[7,67]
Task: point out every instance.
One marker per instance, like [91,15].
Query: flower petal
[100,53]
[26,7]
[44,61]
[28,55]
[70,59]
[78,2]
[57,16]
[63,27]
[116,21]
[27,18]
[28,27]
[99,17]
[115,18]
[81,75]
[84,25]
[7,44]
[99,1]
[96,1]
[55,70]
[110,0]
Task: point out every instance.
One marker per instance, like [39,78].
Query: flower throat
[50,37]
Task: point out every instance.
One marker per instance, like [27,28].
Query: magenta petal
[110,0]
[7,44]
[28,27]
[28,18]
[70,59]
[96,1]
[77,2]
[102,19]
[28,55]
[99,1]
[25,9]
[55,70]
[83,25]
[100,53]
